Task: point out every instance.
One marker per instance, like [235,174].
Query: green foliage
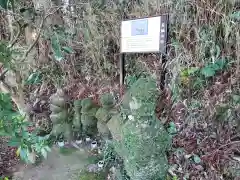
[34,78]
[59,37]
[13,125]
[211,69]
[235,15]
[56,48]
[172,128]
[196,159]
[5,54]
[92,176]
[4,178]
[68,50]
[6,3]
[130,80]
[110,157]
[236,99]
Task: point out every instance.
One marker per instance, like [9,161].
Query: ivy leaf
[196,159]
[56,47]
[208,71]
[68,50]
[34,78]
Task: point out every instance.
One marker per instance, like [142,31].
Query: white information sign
[144,35]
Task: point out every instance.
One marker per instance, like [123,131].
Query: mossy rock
[58,129]
[92,176]
[87,104]
[59,117]
[103,115]
[58,101]
[107,101]
[103,129]
[77,122]
[143,139]
[115,127]
[144,147]
[55,109]
[141,97]
[88,120]
[68,132]
[77,103]
[89,130]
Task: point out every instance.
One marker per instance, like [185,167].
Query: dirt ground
[57,166]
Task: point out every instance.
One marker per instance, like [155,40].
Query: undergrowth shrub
[29,145]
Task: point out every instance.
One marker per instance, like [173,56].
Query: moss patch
[92,176]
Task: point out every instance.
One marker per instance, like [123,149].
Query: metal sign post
[146,35]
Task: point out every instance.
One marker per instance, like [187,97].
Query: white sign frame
[144,35]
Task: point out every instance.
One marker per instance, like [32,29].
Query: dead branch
[17,36]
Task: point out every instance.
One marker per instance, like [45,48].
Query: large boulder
[139,137]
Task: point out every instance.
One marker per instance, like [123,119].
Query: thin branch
[38,36]
[18,35]
[2,75]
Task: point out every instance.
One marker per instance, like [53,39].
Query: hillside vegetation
[54,53]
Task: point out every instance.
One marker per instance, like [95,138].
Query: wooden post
[122,68]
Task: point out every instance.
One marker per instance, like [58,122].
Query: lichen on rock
[140,138]
[104,114]
[88,119]
[59,115]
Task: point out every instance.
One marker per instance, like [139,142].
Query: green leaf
[56,47]
[172,128]
[208,71]
[3,4]
[192,70]
[14,142]
[34,78]
[219,64]
[44,153]
[67,49]
[236,98]
[235,15]
[174,178]
[196,159]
